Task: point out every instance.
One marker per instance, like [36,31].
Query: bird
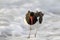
[31,19]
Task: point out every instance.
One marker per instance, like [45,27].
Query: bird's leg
[36,32]
[29,32]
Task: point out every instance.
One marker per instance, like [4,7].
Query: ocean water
[14,27]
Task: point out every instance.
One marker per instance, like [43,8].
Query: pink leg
[29,32]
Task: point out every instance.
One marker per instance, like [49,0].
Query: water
[14,27]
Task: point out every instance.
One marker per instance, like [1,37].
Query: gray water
[14,27]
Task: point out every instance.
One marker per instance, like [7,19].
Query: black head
[31,13]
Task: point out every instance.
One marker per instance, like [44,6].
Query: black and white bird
[31,19]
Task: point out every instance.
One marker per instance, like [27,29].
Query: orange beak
[31,19]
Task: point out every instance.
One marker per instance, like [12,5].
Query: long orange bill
[31,19]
